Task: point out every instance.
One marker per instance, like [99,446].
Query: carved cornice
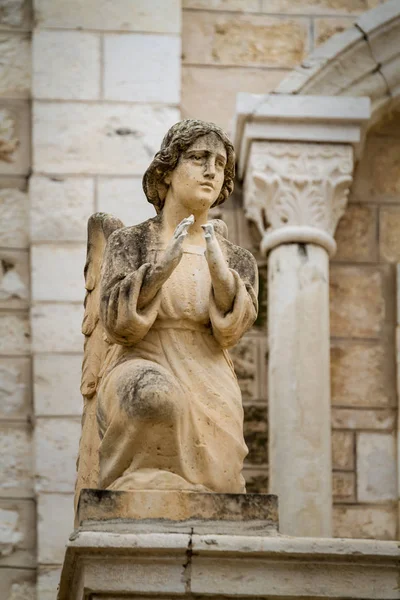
[297,192]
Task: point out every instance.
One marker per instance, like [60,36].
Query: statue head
[175,144]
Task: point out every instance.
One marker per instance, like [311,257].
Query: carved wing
[96,349]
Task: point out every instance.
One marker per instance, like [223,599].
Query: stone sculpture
[165,299]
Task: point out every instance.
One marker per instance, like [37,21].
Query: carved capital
[297,192]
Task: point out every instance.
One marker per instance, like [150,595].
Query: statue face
[197,180]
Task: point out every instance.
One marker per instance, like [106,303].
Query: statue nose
[210,169]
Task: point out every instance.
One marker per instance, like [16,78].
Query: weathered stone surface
[73,73]
[57,272]
[121,15]
[357,301]
[256,433]
[12,13]
[17,533]
[389,232]
[356,234]
[389,125]
[362,374]
[349,418]
[218,38]
[57,328]
[343,450]
[47,582]
[55,525]
[343,486]
[318,6]
[377,177]
[123,197]
[14,334]
[14,218]
[159,55]
[15,137]
[257,480]
[56,383]
[18,584]
[326,28]
[245,360]
[56,449]
[376,467]
[14,279]
[15,382]
[16,460]
[377,522]
[97,138]
[225,83]
[60,208]
[236,5]
[15,66]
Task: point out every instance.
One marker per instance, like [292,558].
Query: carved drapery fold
[297,192]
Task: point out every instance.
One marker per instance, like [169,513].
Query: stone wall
[232,46]
[17,505]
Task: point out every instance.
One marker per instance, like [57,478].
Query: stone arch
[362,61]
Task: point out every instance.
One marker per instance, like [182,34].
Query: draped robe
[169,411]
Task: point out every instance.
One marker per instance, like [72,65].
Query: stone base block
[152,510]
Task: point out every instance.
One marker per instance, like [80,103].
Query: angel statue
[165,299]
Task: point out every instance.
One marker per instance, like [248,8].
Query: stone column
[295,192]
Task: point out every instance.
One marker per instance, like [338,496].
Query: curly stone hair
[178,139]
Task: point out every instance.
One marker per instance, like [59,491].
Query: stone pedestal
[121,558]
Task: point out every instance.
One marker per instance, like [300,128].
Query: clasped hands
[221,277]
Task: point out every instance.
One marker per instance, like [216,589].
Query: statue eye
[197,156]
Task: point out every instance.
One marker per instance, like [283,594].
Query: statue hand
[221,277]
[174,250]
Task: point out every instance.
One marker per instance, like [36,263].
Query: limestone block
[97,138]
[56,380]
[16,460]
[343,450]
[66,65]
[57,443]
[326,28]
[47,582]
[60,208]
[14,218]
[218,38]
[257,480]
[55,525]
[18,584]
[14,334]
[357,301]
[225,83]
[124,198]
[14,279]
[389,232]
[256,433]
[12,13]
[362,521]
[356,234]
[155,54]
[161,16]
[389,125]
[349,418]
[343,486]
[15,137]
[245,360]
[315,7]
[57,272]
[15,382]
[235,5]
[376,467]
[362,374]
[17,533]
[377,177]
[57,328]
[15,66]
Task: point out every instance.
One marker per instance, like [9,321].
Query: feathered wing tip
[96,348]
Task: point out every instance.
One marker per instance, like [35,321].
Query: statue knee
[149,394]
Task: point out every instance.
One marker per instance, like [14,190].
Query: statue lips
[207,184]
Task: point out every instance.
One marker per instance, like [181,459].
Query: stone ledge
[152,510]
